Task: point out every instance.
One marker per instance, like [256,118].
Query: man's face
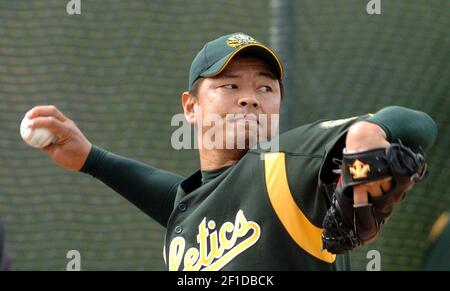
[246,96]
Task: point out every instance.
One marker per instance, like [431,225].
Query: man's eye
[265,89]
[230,86]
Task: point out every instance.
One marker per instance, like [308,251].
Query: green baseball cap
[216,54]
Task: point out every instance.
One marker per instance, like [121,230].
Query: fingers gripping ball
[36,137]
[346,225]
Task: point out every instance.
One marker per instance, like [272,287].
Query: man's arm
[374,167]
[151,190]
[415,129]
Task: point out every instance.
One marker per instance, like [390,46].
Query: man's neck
[215,159]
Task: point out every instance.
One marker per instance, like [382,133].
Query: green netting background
[118,70]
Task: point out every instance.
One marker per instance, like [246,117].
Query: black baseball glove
[346,226]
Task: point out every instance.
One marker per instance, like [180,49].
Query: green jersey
[263,213]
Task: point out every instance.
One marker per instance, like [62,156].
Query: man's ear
[189,101]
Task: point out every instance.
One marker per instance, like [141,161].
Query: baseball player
[328,188]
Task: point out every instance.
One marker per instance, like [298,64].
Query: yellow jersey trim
[302,231]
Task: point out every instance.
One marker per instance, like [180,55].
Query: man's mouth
[243,118]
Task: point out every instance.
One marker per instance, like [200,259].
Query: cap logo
[240,39]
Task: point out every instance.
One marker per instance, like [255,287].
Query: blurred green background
[118,70]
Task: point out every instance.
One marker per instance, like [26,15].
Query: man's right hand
[72,148]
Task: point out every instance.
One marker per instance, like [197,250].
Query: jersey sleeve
[413,128]
[151,190]
[315,149]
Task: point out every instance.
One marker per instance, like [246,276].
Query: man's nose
[250,100]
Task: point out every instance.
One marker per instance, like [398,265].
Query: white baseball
[38,137]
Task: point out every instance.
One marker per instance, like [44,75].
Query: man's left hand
[364,136]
